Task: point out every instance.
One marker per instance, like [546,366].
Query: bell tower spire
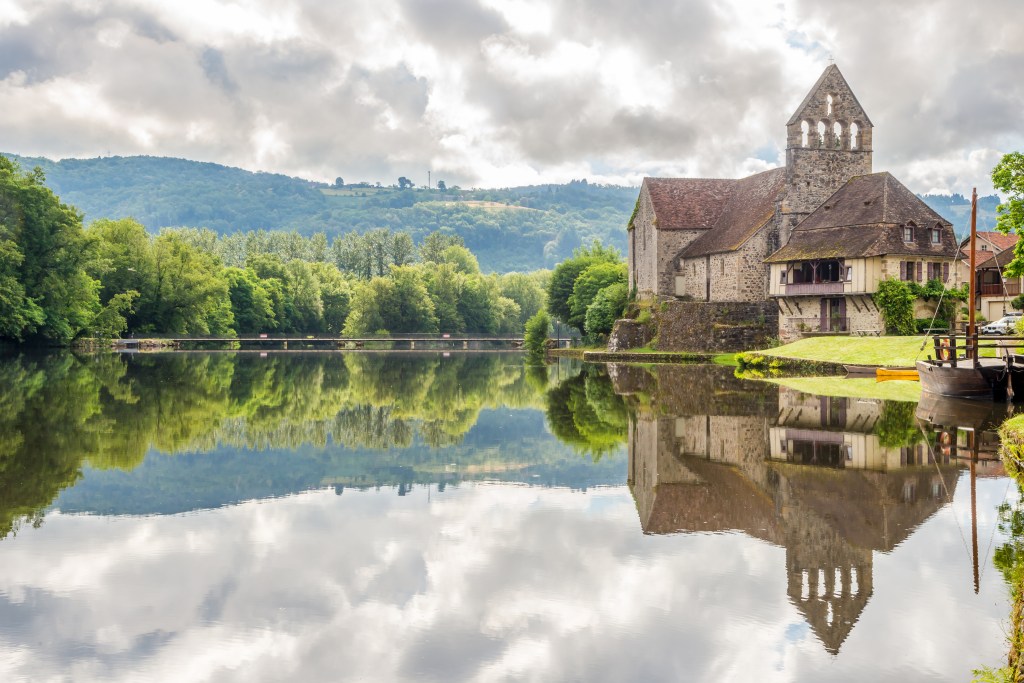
[828,141]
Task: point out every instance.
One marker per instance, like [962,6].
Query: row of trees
[58,280]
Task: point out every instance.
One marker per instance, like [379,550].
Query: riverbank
[892,352]
[1011,435]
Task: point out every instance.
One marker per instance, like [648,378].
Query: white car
[1005,325]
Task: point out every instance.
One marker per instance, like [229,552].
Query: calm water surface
[376,517]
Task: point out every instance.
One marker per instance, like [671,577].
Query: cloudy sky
[503,92]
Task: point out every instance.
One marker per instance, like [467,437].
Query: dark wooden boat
[957,369]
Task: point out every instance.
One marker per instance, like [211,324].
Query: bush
[896,301]
[536,337]
[606,308]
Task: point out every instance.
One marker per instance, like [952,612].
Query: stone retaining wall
[716,326]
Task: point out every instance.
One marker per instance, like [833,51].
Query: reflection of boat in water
[947,412]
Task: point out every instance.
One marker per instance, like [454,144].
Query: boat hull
[987,382]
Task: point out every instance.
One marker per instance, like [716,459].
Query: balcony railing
[1012,289]
[811,288]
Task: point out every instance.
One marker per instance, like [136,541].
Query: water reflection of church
[814,475]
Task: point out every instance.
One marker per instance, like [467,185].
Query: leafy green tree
[536,335]
[1008,176]
[591,281]
[19,314]
[433,246]
[444,285]
[111,321]
[399,303]
[402,249]
[606,308]
[461,259]
[251,303]
[307,308]
[896,302]
[335,295]
[563,280]
[526,291]
[190,293]
[46,253]
[404,183]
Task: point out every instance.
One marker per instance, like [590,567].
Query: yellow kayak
[886,374]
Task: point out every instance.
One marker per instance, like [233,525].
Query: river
[461,517]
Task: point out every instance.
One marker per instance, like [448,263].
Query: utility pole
[428,180]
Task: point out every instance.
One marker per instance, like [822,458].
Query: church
[816,237]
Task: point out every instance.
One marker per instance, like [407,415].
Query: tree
[110,322]
[339,182]
[441,186]
[606,308]
[563,279]
[45,290]
[404,183]
[1008,176]
[434,244]
[251,303]
[190,294]
[591,281]
[536,336]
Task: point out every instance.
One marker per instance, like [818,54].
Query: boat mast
[972,342]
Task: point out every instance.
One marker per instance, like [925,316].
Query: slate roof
[865,218]
[687,203]
[751,204]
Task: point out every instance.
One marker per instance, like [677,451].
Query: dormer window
[936,235]
[984,247]
[908,233]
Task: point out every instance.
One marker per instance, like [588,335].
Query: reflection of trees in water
[585,412]
[59,412]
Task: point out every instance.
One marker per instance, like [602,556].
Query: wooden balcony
[1011,289]
[812,288]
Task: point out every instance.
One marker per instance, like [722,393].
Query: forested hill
[511,229]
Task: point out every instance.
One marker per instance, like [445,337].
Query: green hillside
[522,228]
[509,229]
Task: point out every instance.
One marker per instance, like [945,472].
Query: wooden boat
[860,370]
[886,374]
[957,368]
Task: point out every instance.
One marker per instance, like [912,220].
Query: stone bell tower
[828,141]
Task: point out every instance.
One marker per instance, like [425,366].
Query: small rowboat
[886,374]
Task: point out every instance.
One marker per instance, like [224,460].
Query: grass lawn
[858,387]
[885,351]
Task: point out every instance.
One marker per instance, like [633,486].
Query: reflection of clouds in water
[487,582]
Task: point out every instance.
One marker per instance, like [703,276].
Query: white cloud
[488,93]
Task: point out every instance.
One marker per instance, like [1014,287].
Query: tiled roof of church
[865,218]
[750,206]
[687,203]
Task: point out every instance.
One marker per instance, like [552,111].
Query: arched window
[837,135]
[805,130]
[821,133]
[828,103]
[854,136]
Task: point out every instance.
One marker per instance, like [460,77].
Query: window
[782,276]
[910,271]
[908,233]
[984,247]
[936,235]
[849,273]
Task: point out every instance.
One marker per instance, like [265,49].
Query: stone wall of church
[651,252]
[739,275]
[813,175]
